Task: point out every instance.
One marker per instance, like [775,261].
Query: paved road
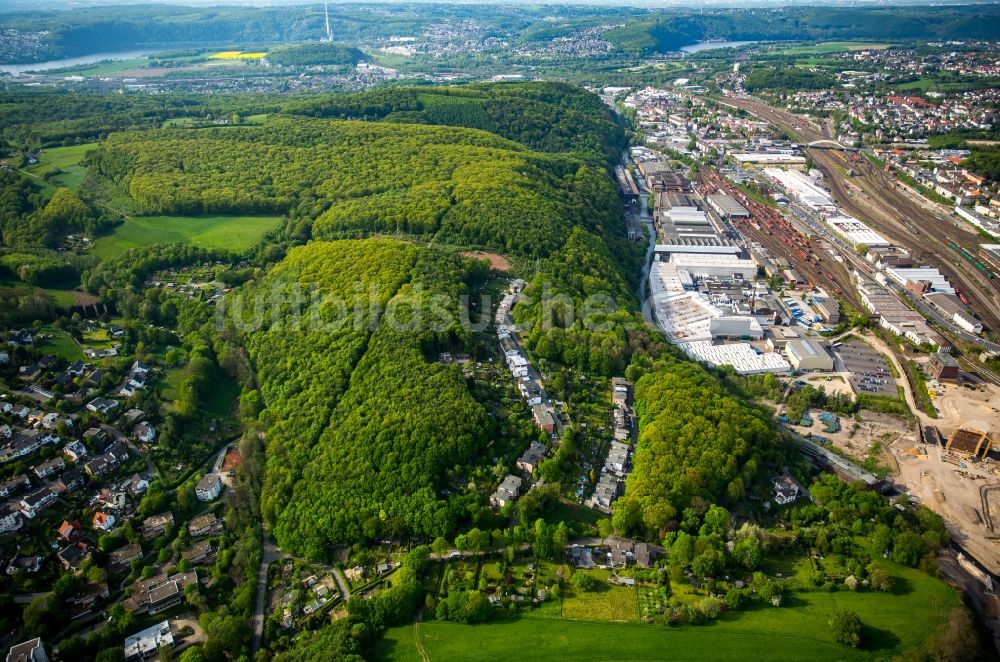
[25,598]
[345,591]
[647,220]
[270,555]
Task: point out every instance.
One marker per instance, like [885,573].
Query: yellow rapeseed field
[236,55]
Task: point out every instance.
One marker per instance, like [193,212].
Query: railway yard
[888,206]
[806,256]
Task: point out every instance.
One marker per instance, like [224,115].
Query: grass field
[827,47]
[233,232]
[612,603]
[893,623]
[61,345]
[66,159]
[104,68]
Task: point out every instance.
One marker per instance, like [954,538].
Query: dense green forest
[45,118]
[787,78]
[550,117]
[313,54]
[695,440]
[465,186]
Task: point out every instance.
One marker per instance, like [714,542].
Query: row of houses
[617,463]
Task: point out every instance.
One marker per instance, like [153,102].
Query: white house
[209,487]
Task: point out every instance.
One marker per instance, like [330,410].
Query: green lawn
[63,298]
[103,68]
[65,159]
[219,401]
[799,630]
[827,47]
[233,232]
[60,345]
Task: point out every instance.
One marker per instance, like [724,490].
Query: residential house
[10,519]
[101,465]
[209,487]
[95,436]
[200,552]
[507,491]
[84,600]
[29,651]
[71,481]
[146,644]
[786,490]
[46,469]
[102,405]
[95,378]
[75,450]
[155,525]
[151,596]
[37,501]
[543,418]
[135,485]
[122,558]
[103,521]
[52,420]
[27,564]
[15,484]
[133,416]
[205,525]
[532,457]
[27,442]
[77,369]
[69,530]
[20,337]
[72,556]
[144,432]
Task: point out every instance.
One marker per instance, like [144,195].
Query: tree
[440,546]
[846,627]
[707,563]
[193,654]
[716,521]
[584,582]
[710,607]
[907,548]
[682,551]
[747,553]
[879,578]
[862,249]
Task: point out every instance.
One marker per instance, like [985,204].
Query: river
[73,61]
[709,45]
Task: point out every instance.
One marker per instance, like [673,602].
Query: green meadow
[67,160]
[233,232]
[828,47]
[893,623]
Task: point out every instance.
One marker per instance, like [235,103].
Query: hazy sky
[9,5]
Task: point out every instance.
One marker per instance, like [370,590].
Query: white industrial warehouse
[801,187]
[720,265]
[856,232]
[740,356]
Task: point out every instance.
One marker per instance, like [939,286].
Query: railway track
[876,197]
[769,228]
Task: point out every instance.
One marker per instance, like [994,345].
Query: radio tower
[326,10]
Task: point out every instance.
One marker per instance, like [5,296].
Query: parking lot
[867,367]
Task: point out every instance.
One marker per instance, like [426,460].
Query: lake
[73,61]
[709,45]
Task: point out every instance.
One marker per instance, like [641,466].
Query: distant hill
[307,55]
